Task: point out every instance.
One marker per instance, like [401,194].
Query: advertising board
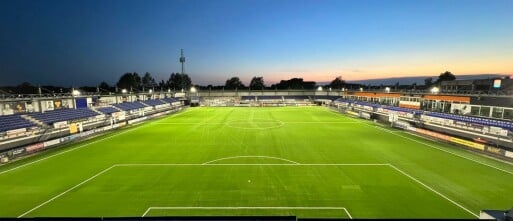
[34,147]
[51,142]
[467,143]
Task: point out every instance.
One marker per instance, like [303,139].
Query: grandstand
[107,110]
[51,117]
[13,122]
[128,106]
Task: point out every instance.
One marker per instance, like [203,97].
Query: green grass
[291,159]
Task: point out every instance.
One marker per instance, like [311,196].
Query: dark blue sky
[78,43]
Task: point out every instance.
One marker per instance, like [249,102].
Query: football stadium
[285,110]
[251,155]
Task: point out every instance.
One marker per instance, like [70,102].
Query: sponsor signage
[51,142]
[509,154]
[34,147]
[137,120]
[352,113]
[73,128]
[64,139]
[16,131]
[18,152]
[495,150]
[467,143]
[365,115]
[433,134]
[60,124]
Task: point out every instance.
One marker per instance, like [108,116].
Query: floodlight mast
[182,60]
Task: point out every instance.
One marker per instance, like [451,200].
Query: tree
[179,81]
[137,80]
[428,81]
[26,88]
[148,81]
[446,76]
[104,86]
[295,83]
[129,81]
[233,83]
[257,83]
[162,84]
[337,83]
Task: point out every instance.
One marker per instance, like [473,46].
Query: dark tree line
[445,76]
[295,83]
[133,82]
[177,81]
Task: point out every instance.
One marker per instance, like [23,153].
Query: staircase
[144,104]
[33,120]
[98,112]
[117,108]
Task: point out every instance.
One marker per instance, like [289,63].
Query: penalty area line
[247,208]
[432,190]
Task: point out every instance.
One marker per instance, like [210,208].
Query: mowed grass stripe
[459,179]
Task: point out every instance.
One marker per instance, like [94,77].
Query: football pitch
[309,162]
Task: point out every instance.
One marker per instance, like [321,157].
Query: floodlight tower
[182,60]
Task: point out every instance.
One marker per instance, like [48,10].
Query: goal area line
[247,208]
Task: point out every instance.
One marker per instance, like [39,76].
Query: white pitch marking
[249,208]
[267,157]
[66,151]
[322,122]
[76,148]
[455,154]
[433,190]
[70,189]
[251,164]
[186,123]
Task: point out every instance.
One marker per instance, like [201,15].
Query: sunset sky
[84,42]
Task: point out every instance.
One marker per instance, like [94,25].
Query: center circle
[255,123]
